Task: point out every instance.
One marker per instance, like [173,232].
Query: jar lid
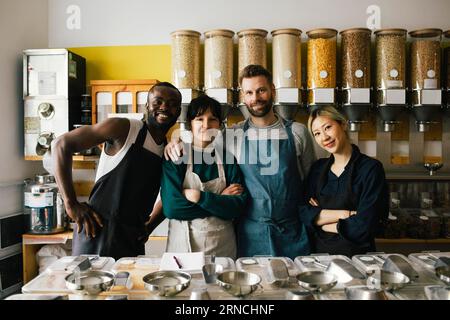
[255,32]
[447,34]
[356,30]
[293,31]
[189,33]
[322,33]
[426,33]
[391,31]
[219,32]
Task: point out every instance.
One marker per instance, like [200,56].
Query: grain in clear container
[321,60]
[219,59]
[426,58]
[355,57]
[186,59]
[286,58]
[252,48]
[390,50]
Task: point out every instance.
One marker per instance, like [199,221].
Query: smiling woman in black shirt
[346,194]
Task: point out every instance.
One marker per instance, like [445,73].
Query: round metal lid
[322,33]
[391,31]
[355,30]
[189,33]
[255,32]
[293,31]
[219,32]
[426,33]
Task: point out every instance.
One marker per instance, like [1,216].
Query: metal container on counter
[43,206]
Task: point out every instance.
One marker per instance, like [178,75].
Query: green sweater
[175,204]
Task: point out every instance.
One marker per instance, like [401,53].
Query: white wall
[78,23]
[23,25]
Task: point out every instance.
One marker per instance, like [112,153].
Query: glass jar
[355,62]
[426,58]
[446,45]
[86,109]
[286,54]
[219,59]
[252,48]
[390,48]
[186,59]
[321,60]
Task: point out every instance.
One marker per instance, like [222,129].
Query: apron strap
[142,135]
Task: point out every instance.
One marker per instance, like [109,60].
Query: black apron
[334,243]
[124,198]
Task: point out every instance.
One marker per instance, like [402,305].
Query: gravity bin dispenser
[53,83]
[287,71]
[356,73]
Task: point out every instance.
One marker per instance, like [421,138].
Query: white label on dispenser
[287,74]
[393,73]
[430,84]
[323,74]
[219,94]
[38,200]
[431,97]
[431,73]
[359,73]
[395,96]
[323,95]
[216,74]
[424,218]
[288,95]
[181,74]
[360,95]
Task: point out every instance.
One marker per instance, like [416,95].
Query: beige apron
[212,235]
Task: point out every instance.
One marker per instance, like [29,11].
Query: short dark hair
[255,70]
[167,85]
[200,105]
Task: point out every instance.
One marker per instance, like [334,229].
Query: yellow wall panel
[126,62]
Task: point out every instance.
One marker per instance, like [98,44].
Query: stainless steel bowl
[238,283]
[387,280]
[317,281]
[299,295]
[167,283]
[90,282]
[437,292]
[364,293]
[443,273]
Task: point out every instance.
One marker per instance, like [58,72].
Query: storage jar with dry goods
[186,59]
[219,59]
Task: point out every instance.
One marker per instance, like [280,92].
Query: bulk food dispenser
[356,73]
[186,68]
[446,74]
[426,94]
[321,66]
[390,75]
[287,72]
[53,82]
[252,49]
[219,67]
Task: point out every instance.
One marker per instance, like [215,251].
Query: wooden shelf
[75,158]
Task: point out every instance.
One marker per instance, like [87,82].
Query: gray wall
[144,22]
[23,25]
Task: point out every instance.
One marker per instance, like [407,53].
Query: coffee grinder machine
[53,83]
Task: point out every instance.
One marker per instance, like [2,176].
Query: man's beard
[151,121]
[267,107]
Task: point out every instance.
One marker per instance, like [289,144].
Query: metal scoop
[397,263]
